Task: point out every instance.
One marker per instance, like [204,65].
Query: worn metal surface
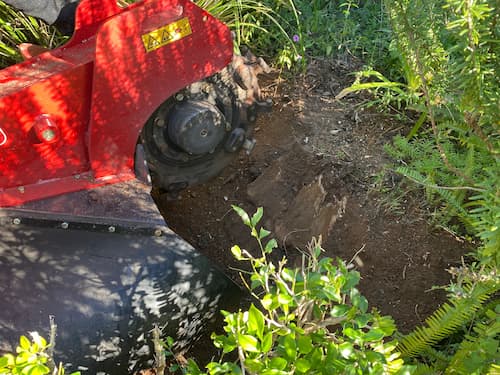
[105,289]
[126,205]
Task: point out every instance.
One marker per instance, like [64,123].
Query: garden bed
[319,160]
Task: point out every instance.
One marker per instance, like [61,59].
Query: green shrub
[33,357]
[306,320]
[313,320]
[332,28]
[448,54]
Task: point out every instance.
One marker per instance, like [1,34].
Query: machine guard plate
[105,289]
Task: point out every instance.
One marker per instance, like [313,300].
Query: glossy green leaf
[362,320]
[256,281]
[267,342]
[243,215]
[254,365]
[169,341]
[359,301]
[374,335]
[302,365]
[255,321]
[316,355]
[374,356]
[11,360]
[236,250]
[263,233]
[271,244]
[24,342]
[23,356]
[268,302]
[304,343]
[36,369]
[352,333]
[257,216]
[248,343]
[278,363]
[352,279]
[346,350]
[339,310]
[284,299]
[290,347]
[4,361]
[288,275]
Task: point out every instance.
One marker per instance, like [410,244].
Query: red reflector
[46,129]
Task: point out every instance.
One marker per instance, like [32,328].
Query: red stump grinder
[152,89]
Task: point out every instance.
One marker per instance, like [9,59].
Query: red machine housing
[70,118]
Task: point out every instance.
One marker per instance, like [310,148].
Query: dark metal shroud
[106,281]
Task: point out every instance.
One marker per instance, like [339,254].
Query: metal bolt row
[158,232]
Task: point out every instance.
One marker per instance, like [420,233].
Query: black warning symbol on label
[153,42]
[167,36]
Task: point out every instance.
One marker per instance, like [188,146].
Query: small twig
[473,123]
[357,253]
[455,236]
[285,285]
[325,323]
[347,154]
[277,324]
[231,177]
[290,233]
[223,216]
[390,130]
[160,361]
[417,314]
[241,356]
[303,312]
[52,343]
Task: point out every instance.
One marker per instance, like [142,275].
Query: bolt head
[159,122]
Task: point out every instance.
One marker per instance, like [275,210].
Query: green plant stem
[432,186]
[52,343]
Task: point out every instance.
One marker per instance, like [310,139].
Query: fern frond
[447,319]
[451,199]
[477,353]
[439,359]
[423,369]
[412,174]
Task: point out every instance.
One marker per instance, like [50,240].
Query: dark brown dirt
[317,152]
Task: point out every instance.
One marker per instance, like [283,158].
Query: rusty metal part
[246,69]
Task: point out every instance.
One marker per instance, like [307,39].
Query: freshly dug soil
[315,170]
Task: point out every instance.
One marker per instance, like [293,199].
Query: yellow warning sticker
[166,34]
